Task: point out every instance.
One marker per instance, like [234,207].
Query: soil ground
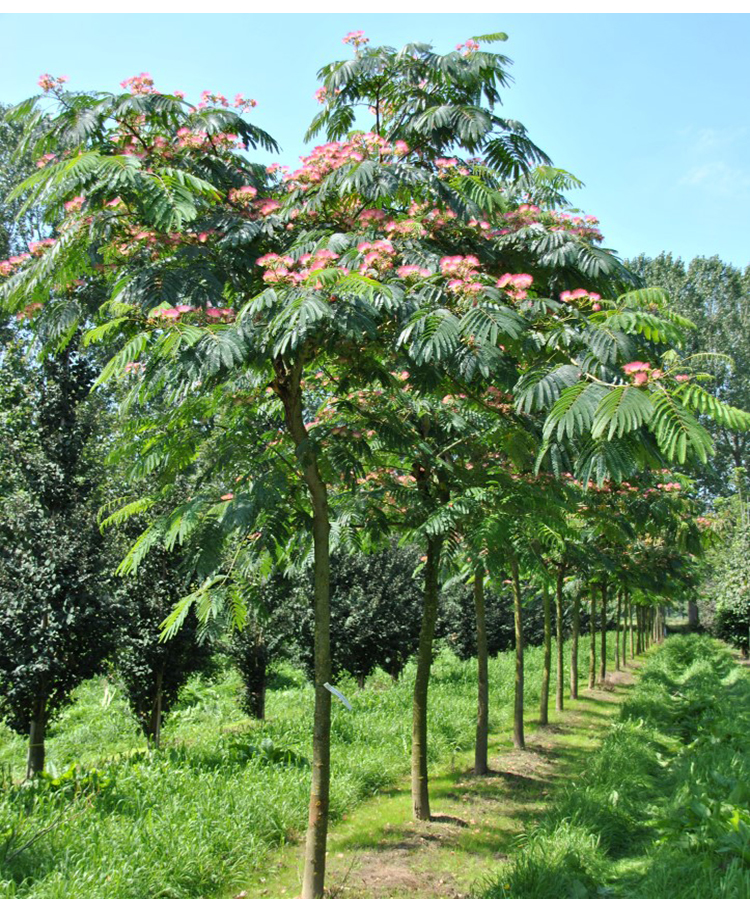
[379,852]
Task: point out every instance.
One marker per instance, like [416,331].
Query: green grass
[197,818]
[663,809]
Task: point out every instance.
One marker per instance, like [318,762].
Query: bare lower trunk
[317,823]
[518,736]
[559,681]
[480,749]
[154,725]
[603,654]
[575,631]
[420,795]
[287,385]
[592,642]
[693,620]
[631,628]
[547,664]
[639,629]
[255,675]
[617,632]
[37,731]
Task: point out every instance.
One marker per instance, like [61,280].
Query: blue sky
[652,112]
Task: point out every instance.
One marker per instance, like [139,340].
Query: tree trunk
[639,628]
[547,664]
[37,731]
[154,724]
[617,631]
[287,385]
[480,749]
[518,736]
[576,629]
[256,675]
[630,628]
[693,620]
[603,655]
[592,642]
[559,640]
[420,795]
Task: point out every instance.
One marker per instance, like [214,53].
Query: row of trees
[405,338]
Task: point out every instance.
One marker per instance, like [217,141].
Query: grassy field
[196,818]
[663,807]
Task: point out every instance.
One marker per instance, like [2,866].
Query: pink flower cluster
[74,205]
[134,368]
[327,158]
[469,47]
[209,98]
[585,296]
[45,160]
[242,196]
[408,227]
[28,311]
[139,84]
[7,265]
[672,486]
[526,214]
[586,226]
[515,285]
[175,313]
[413,272]
[200,140]
[450,166]
[465,275]
[378,257]
[286,270]
[49,83]
[641,373]
[356,39]
[37,247]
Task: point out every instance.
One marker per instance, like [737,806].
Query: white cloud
[718,176]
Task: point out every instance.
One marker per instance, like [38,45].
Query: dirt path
[380,853]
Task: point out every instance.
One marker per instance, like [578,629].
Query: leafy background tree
[56,618]
[153,670]
[715,296]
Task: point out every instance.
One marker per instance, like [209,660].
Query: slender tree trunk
[639,613]
[592,643]
[154,725]
[559,640]
[603,655]
[420,794]
[638,645]
[256,676]
[631,628]
[518,736]
[480,749]
[37,731]
[576,630]
[617,631]
[693,620]
[287,385]
[624,629]
[547,665]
